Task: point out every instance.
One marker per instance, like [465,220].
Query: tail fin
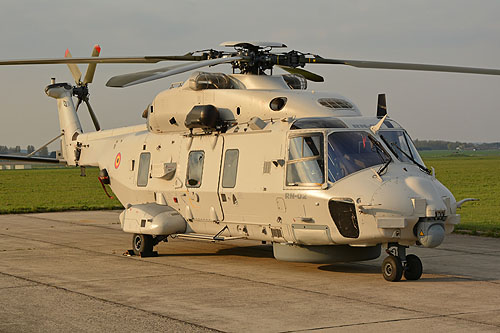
[68,120]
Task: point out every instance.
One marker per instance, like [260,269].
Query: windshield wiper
[382,169]
[380,150]
[389,146]
[423,168]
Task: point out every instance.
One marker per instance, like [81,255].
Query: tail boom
[68,120]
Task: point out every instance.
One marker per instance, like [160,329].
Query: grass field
[467,174]
[471,175]
[46,190]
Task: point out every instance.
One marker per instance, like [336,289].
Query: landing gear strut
[398,264]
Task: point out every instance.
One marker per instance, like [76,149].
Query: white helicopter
[257,156]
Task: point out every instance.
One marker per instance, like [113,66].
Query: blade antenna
[381,106]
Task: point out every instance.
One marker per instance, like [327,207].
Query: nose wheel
[413,268]
[398,264]
[392,268]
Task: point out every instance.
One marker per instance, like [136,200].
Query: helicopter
[255,155]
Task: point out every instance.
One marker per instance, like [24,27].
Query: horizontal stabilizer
[44,160]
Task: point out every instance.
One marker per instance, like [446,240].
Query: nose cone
[426,188]
[393,196]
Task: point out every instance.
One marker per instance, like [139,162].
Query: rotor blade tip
[66,53]
[97,48]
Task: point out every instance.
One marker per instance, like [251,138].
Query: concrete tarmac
[67,272]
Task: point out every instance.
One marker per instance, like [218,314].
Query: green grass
[48,190]
[472,177]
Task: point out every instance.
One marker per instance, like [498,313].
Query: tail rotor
[81,90]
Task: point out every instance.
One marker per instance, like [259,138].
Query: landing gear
[142,244]
[398,264]
[413,268]
[392,269]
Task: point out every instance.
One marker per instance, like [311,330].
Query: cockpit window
[305,165]
[349,152]
[400,142]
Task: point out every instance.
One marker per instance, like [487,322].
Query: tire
[142,243]
[413,269]
[392,269]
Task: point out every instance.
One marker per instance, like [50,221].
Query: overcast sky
[429,105]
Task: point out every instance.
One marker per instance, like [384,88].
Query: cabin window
[230,168]
[143,172]
[195,168]
[305,165]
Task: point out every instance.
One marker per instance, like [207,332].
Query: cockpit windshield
[401,145]
[349,152]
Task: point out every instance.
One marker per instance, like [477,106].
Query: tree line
[29,149]
[448,145]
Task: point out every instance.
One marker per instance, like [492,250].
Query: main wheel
[142,243]
[392,269]
[413,269]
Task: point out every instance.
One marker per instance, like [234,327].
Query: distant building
[14,166]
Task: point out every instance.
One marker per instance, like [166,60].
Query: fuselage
[304,170]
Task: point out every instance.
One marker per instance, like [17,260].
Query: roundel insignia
[118,159]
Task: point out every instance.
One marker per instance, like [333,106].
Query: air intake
[335,103]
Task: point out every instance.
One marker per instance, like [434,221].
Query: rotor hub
[81,91]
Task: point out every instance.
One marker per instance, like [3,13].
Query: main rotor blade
[119,81]
[308,75]
[75,71]
[107,60]
[89,75]
[92,115]
[403,66]
[126,81]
